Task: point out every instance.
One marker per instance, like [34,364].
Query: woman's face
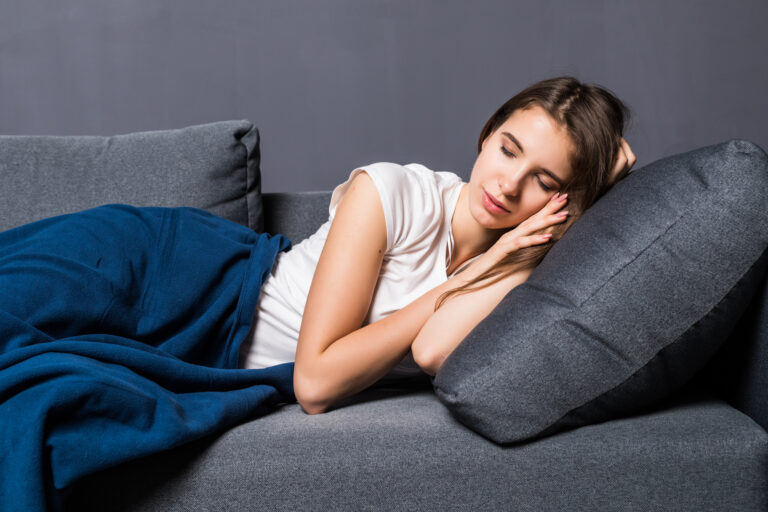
[521,166]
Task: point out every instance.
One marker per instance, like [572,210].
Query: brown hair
[595,120]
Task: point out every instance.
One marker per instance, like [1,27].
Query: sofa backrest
[296,215]
[213,166]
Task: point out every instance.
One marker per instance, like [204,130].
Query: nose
[510,184]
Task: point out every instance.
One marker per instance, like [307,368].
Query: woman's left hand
[625,159]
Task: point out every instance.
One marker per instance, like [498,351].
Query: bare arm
[335,356]
[456,318]
[360,358]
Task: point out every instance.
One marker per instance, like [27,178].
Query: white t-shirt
[418,207]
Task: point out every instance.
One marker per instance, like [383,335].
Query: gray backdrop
[335,84]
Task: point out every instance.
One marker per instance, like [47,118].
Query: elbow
[309,395]
[312,407]
[429,362]
[311,403]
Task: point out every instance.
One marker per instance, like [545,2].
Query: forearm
[359,359]
[445,329]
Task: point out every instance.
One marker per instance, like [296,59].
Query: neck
[469,237]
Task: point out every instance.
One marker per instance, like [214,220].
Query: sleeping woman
[411,260]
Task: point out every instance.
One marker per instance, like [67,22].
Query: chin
[488,221]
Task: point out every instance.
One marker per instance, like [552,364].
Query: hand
[625,159]
[521,236]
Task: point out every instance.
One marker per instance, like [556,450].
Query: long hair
[594,119]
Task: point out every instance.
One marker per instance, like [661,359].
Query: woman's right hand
[524,234]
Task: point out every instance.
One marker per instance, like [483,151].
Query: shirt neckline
[451,242]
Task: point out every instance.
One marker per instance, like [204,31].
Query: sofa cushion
[392,451]
[626,307]
[213,166]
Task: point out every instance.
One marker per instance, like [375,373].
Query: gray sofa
[396,446]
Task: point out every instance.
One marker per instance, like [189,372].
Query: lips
[493,200]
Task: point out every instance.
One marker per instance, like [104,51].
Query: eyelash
[512,155]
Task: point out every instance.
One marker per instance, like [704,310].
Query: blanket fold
[119,335]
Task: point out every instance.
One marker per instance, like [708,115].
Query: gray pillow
[626,307]
[213,166]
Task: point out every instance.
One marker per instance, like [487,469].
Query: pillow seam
[620,270]
[655,354]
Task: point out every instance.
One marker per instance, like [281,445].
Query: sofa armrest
[749,386]
[739,371]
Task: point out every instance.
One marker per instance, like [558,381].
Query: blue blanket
[119,337]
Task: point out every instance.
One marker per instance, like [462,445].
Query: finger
[521,242]
[534,222]
[631,158]
[620,162]
[551,220]
[556,202]
[620,168]
[537,239]
[537,224]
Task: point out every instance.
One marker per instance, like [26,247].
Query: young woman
[411,260]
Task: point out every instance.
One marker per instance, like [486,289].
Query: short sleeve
[409,202]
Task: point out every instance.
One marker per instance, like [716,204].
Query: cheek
[534,206]
[488,160]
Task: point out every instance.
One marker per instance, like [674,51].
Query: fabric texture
[633,300]
[739,371]
[386,450]
[121,328]
[214,166]
[418,205]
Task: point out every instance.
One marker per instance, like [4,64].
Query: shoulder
[393,183]
[437,178]
[393,174]
[397,176]
[413,198]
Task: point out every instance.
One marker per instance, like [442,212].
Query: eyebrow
[520,147]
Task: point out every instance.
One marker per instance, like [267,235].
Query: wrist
[484,262]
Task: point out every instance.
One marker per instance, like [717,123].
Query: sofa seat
[389,443]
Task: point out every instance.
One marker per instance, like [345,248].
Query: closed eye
[541,183]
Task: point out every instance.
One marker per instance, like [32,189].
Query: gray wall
[334,84]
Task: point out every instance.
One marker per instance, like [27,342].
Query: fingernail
[563,214]
[555,197]
[563,196]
